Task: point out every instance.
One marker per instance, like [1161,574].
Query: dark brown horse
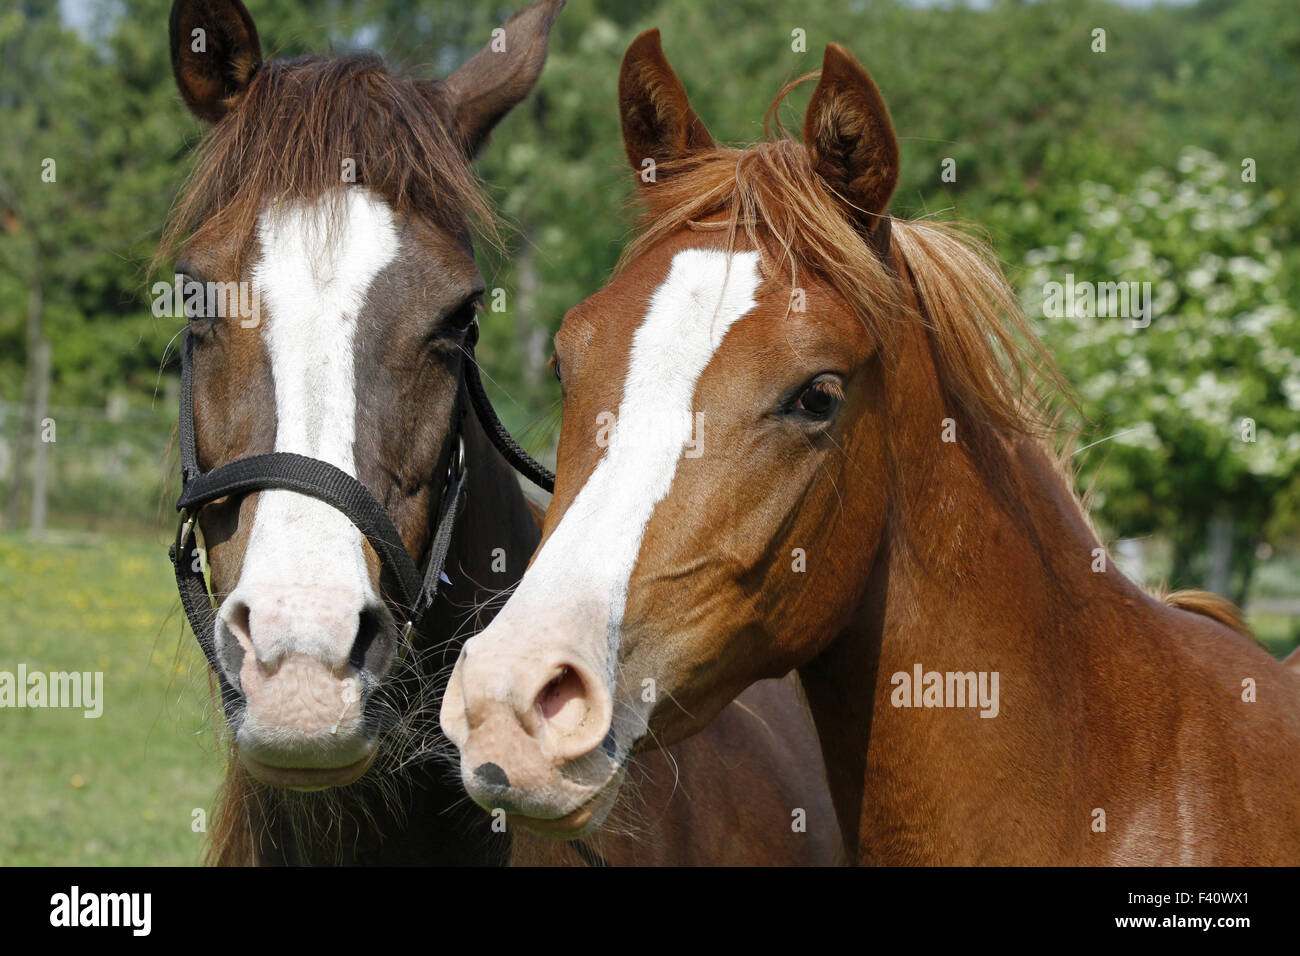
[869,502]
[340,195]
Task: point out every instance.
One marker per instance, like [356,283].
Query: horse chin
[307,779]
[577,823]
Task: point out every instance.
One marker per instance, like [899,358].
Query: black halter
[321,480]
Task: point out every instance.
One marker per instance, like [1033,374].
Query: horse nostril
[492,777]
[572,711]
[230,653]
[369,653]
[563,698]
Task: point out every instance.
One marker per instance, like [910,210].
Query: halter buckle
[184,525]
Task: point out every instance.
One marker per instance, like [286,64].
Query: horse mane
[231,840]
[299,121]
[990,361]
[1211,605]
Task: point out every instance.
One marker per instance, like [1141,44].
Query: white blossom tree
[1202,395]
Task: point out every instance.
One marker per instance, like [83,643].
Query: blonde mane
[988,357]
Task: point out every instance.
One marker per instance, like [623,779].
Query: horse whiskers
[405,706]
[496,598]
[319,820]
[162,363]
[324,822]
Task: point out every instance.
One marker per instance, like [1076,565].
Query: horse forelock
[988,356]
[308,126]
[938,282]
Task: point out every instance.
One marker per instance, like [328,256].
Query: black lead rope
[519,459]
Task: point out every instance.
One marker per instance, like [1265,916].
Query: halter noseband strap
[327,483]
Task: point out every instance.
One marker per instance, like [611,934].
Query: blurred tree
[1013,93]
[1203,403]
[48,195]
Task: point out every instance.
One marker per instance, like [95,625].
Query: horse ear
[850,140]
[658,122]
[501,74]
[215,52]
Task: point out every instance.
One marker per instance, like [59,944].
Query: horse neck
[985,565]
[494,538]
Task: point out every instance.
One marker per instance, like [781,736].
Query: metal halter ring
[184,525]
[457,466]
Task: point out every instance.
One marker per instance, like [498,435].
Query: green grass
[120,789]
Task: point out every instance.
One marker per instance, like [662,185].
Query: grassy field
[121,788]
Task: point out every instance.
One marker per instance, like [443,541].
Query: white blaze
[580,577]
[318,262]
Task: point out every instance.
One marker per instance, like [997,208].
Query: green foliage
[1204,401]
[1013,94]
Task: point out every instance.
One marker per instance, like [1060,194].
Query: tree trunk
[1244,564]
[528,329]
[40,446]
[1188,538]
[1218,574]
[27,403]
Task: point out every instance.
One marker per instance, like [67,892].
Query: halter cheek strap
[415,593]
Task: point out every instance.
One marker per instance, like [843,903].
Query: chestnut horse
[341,194]
[870,503]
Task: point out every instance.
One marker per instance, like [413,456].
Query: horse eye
[460,317]
[555,367]
[819,398]
[193,298]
